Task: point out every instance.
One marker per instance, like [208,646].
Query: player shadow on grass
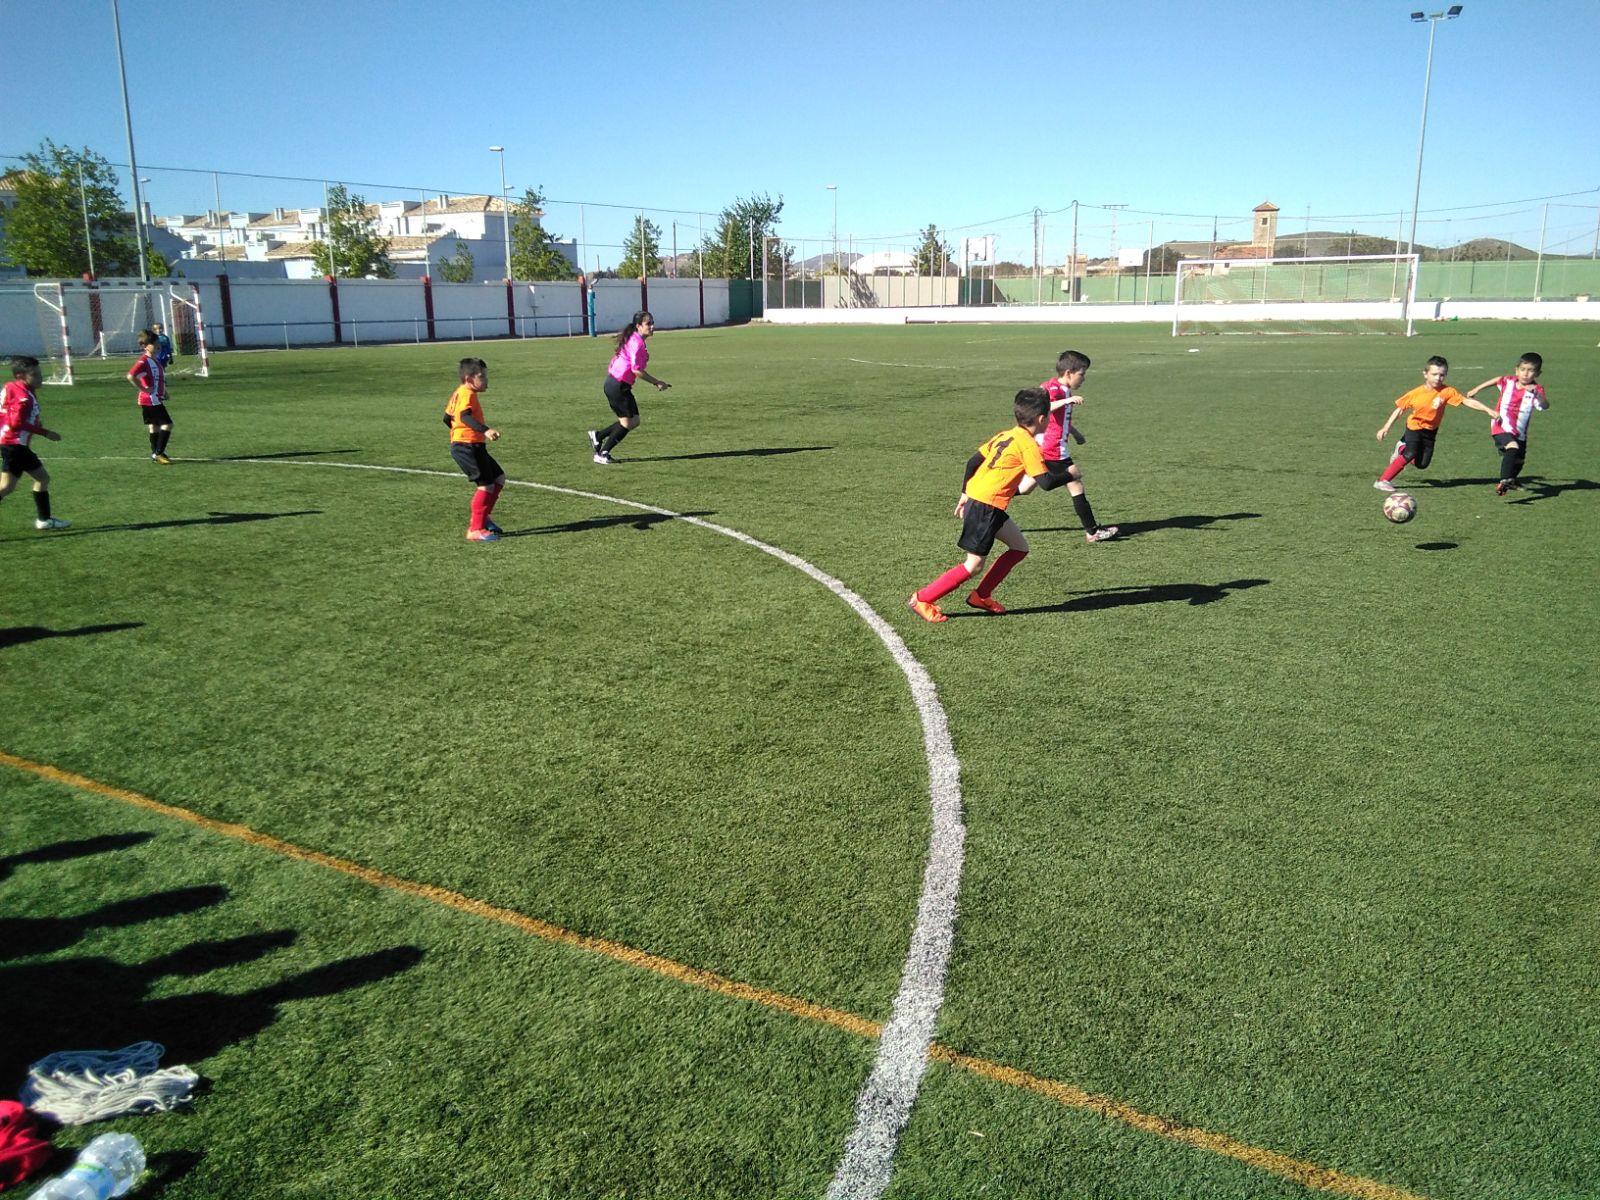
[16,635]
[1534,487]
[100,1003]
[757,452]
[279,454]
[643,522]
[215,518]
[1128,529]
[1122,597]
[24,937]
[77,848]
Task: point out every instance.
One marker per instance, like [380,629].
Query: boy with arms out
[19,421]
[1008,464]
[469,435]
[1521,395]
[1427,404]
[1072,368]
[149,375]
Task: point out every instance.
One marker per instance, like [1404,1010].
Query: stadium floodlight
[1433,20]
[505,205]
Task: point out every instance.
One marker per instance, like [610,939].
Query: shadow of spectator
[80,848]
[98,1003]
[16,635]
[24,937]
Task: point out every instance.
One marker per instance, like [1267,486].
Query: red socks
[1395,468]
[494,498]
[1002,568]
[482,502]
[946,583]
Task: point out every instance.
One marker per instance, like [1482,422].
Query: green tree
[532,255]
[641,250]
[43,233]
[353,249]
[933,256]
[742,228]
[462,270]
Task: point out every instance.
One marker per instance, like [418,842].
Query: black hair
[1438,360]
[1072,360]
[470,367]
[22,365]
[632,327]
[1030,404]
[147,337]
[1536,361]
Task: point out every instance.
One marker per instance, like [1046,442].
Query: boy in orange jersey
[1008,464]
[1427,404]
[469,435]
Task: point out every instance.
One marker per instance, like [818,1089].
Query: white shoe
[1383,485]
[52,523]
[602,459]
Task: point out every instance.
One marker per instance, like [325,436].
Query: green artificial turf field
[1281,837]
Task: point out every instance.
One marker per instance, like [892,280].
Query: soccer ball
[1399,507]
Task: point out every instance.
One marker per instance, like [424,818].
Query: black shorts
[980,525]
[1059,468]
[476,463]
[620,396]
[1416,447]
[1502,440]
[16,460]
[154,414]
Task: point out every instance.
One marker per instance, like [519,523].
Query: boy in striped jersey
[149,375]
[19,422]
[1521,395]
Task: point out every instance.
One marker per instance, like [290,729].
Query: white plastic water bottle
[106,1167]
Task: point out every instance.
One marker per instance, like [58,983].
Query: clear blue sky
[959,115]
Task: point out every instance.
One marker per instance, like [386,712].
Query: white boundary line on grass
[886,1099]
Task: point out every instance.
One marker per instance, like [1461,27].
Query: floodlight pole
[133,165]
[83,199]
[1433,20]
[834,188]
[505,206]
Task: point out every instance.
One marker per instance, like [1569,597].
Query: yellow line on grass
[1306,1174]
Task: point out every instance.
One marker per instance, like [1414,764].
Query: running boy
[469,433]
[1427,404]
[19,421]
[627,364]
[149,375]
[1521,395]
[1008,464]
[1072,368]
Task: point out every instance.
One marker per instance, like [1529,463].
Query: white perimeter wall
[1129,314]
[285,313]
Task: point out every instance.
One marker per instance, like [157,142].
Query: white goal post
[1360,293]
[95,320]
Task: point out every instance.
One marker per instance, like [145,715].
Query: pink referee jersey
[1517,406]
[630,360]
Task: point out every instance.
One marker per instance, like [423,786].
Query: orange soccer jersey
[1007,457]
[464,400]
[1427,405]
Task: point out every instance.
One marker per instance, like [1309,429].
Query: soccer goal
[1363,293]
[90,320]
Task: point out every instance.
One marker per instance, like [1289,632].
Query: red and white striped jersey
[1517,406]
[1053,441]
[19,414]
[151,377]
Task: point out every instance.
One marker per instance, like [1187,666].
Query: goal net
[1364,293]
[78,322]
